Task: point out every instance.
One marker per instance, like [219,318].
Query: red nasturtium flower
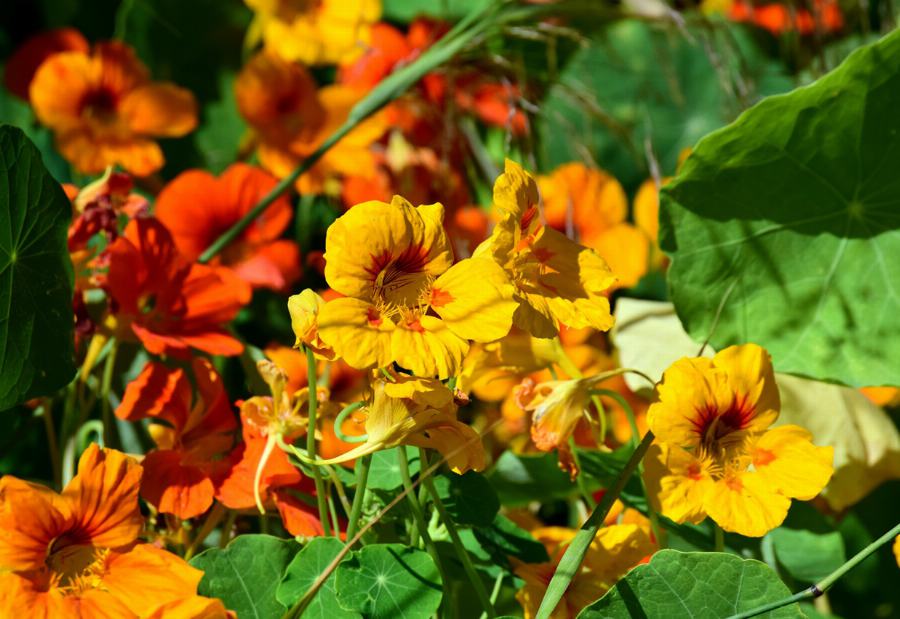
[180,475]
[77,554]
[24,63]
[280,482]
[197,207]
[104,110]
[170,304]
[780,18]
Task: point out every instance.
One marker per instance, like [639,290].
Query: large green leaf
[794,210]
[807,555]
[36,280]
[704,585]
[635,83]
[389,581]
[504,539]
[245,574]
[302,572]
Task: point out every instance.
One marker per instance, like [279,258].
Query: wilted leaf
[708,585]
[792,213]
[36,281]
[245,574]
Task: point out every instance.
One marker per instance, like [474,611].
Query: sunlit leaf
[385,581]
[707,585]
[792,214]
[301,573]
[245,574]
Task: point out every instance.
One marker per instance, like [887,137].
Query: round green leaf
[806,555]
[792,213]
[384,472]
[245,574]
[36,280]
[303,570]
[704,585]
[389,581]
[470,499]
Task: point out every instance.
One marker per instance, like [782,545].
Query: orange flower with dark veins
[168,303]
[77,554]
[104,110]
[191,434]
[197,208]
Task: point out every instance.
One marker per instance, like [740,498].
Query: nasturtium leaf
[705,585]
[36,279]
[605,467]
[245,574]
[504,539]
[301,573]
[806,555]
[520,479]
[791,216]
[219,137]
[470,499]
[634,83]
[386,581]
[384,472]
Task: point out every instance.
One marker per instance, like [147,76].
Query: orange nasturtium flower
[104,110]
[556,279]
[407,410]
[281,102]
[77,554]
[25,61]
[259,473]
[615,550]
[321,32]
[715,453]
[592,204]
[404,301]
[170,304]
[197,207]
[191,434]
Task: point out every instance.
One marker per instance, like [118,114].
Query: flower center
[99,103]
[75,568]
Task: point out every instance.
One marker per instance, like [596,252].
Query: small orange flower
[77,554]
[280,101]
[180,475]
[104,110]
[169,304]
[24,63]
[196,207]
[781,18]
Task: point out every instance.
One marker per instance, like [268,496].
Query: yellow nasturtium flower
[404,301]
[304,309]
[407,410]
[715,453]
[556,279]
[321,32]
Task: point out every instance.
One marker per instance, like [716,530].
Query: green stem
[311,440]
[416,509]
[363,465]
[461,552]
[567,366]
[339,421]
[586,495]
[571,560]
[819,589]
[52,443]
[212,521]
[105,408]
[719,538]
